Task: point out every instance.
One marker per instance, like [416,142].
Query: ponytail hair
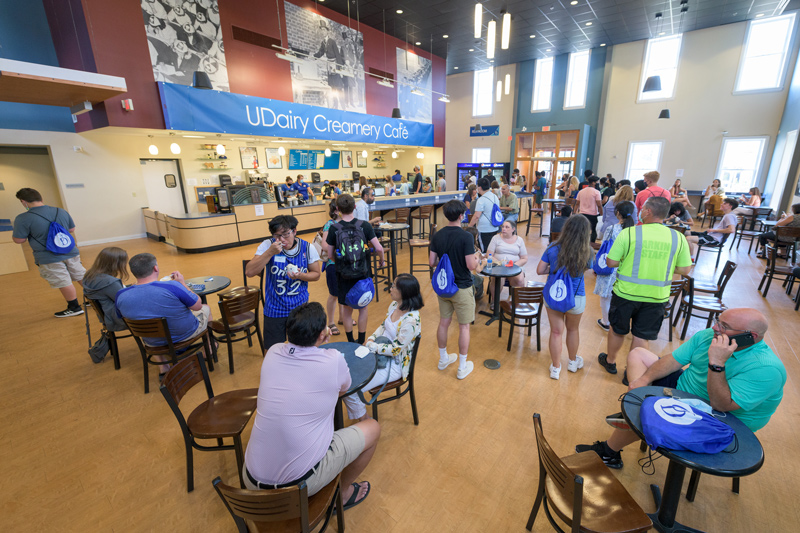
[624,210]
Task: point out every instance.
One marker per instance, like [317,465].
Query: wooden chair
[112,336]
[423,214]
[260,279]
[772,271]
[715,248]
[239,314]
[397,385]
[716,289]
[583,492]
[402,215]
[675,291]
[712,211]
[171,353]
[711,305]
[423,245]
[786,237]
[524,310]
[749,221]
[533,212]
[279,510]
[219,417]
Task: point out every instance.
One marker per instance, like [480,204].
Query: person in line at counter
[390,189]
[441,185]
[290,264]
[361,211]
[330,192]
[301,187]
[397,176]
[732,371]
[416,188]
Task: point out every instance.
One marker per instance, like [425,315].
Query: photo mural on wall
[185,36]
[413,72]
[331,72]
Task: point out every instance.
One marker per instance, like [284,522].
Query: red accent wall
[119,47]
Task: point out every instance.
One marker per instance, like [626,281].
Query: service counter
[12,255]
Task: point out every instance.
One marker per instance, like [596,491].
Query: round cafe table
[361,371]
[498,272]
[213,284]
[743,457]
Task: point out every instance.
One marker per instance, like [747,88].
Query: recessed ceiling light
[549,50]
[760,15]
[602,44]
[491,61]
[588,23]
[445,36]
[455,68]
[471,49]
[532,36]
[418,43]
[661,33]
[574,3]
[399,11]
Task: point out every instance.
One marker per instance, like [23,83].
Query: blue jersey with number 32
[282,293]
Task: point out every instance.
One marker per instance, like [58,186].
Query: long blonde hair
[624,194]
[573,182]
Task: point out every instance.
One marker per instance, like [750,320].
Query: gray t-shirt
[442,185]
[34,225]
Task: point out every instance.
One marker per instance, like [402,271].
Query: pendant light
[363,153]
[664,113]
[281,151]
[327,152]
[394,155]
[491,35]
[175,148]
[505,35]
[478,20]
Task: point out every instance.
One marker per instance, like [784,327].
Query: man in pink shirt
[590,205]
[651,179]
[293,438]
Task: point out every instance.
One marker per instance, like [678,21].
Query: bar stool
[425,246]
[381,273]
[423,213]
[534,211]
[401,217]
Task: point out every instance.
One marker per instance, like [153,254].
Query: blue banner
[484,131]
[189,109]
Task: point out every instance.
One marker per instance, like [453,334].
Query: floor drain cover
[492,364]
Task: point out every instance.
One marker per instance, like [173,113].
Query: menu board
[313,160]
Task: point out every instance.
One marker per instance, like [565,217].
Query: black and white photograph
[331,71]
[347,159]
[414,72]
[185,36]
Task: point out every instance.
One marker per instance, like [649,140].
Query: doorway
[164,186]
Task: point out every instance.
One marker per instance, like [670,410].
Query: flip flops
[352,501]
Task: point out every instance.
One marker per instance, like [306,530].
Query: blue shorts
[330,279]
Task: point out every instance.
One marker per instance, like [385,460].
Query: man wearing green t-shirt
[746,381]
[646,257]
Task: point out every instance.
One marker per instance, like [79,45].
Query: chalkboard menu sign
[312,160]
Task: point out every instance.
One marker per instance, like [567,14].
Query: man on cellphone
[730,367]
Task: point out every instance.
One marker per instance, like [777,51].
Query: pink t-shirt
[293,424]
[653,190]
[587,201]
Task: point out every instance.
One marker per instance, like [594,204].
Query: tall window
[482,93]
[542,84]
[481,155]
[577,80]
[661,59]
[642,157]
[763,64]
[740,162]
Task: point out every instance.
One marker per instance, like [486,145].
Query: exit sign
[545,128]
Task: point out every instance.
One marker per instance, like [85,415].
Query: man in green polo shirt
[646,257]
[746,381]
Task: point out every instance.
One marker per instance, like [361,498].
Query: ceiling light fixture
[455,68]
[574,3]
[220,149]
[394,155]
[175,148]
[386,83]
[478,20]
[499,90]
[549,50]
[588,23]
[505,33]
[444,98]
[445,36]
[759,15]
[471,49]
[508,84]
[399,11]
[491,35]
[664,113]
[653,83]
[153,149]
[532,36]
[602,44]
[417,43]
[417,92]
[289,56]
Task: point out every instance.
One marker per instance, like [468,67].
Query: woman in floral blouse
[395,338]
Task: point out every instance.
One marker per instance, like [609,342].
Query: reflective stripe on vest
[637,259]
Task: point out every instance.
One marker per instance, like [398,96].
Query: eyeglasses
[724,327]
[284,235]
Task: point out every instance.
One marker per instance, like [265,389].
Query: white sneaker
[554,372]
[464,372]
[573,366]
[452,358]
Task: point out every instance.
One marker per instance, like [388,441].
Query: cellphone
[742,340]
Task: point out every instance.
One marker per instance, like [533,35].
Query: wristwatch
[716,368]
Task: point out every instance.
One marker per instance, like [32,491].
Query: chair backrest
[527,295]
[149,327]
[238,303]
[97,309]
[265,507]
[563,479]
[413,362]
[430,237]
[789,233]
[402,213]
[675,287]
[762,212]
[426,210]
[688,290]
[725,277]
[260,275]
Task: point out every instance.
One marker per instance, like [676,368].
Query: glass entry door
[553,152]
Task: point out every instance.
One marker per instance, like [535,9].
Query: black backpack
[351,251]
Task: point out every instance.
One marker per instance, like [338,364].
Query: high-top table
[392,229]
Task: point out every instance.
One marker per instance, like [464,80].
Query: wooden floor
[84,449]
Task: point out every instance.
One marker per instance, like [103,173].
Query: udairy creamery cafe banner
[189,109]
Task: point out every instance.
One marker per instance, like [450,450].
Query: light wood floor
[85,450]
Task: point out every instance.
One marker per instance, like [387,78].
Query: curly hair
[574,250]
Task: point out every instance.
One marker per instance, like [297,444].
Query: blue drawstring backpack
[361,294]
[497,218]
[59,239]
[672,424]
[600,267]
[444,280]
[558,291]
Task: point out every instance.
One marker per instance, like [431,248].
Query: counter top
[414,200]
[200,216]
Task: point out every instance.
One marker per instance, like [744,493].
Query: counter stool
[401,217]
[423,245]
[423,213]
[534,211]
[381,273]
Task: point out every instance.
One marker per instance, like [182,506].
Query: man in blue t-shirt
[290,264]
[745,380]
[397,176]
[187,316]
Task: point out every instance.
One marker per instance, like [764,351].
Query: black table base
[664,518]
[495,314]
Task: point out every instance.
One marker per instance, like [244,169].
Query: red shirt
[653,190]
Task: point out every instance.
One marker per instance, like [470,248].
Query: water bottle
[489,264]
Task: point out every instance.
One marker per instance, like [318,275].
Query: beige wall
[703,107]
[26,170]
[458,143]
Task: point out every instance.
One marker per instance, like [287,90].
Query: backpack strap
[49,221]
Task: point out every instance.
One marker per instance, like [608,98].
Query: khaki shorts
[462,302]
[203,316]
[346,445]
[63,273]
